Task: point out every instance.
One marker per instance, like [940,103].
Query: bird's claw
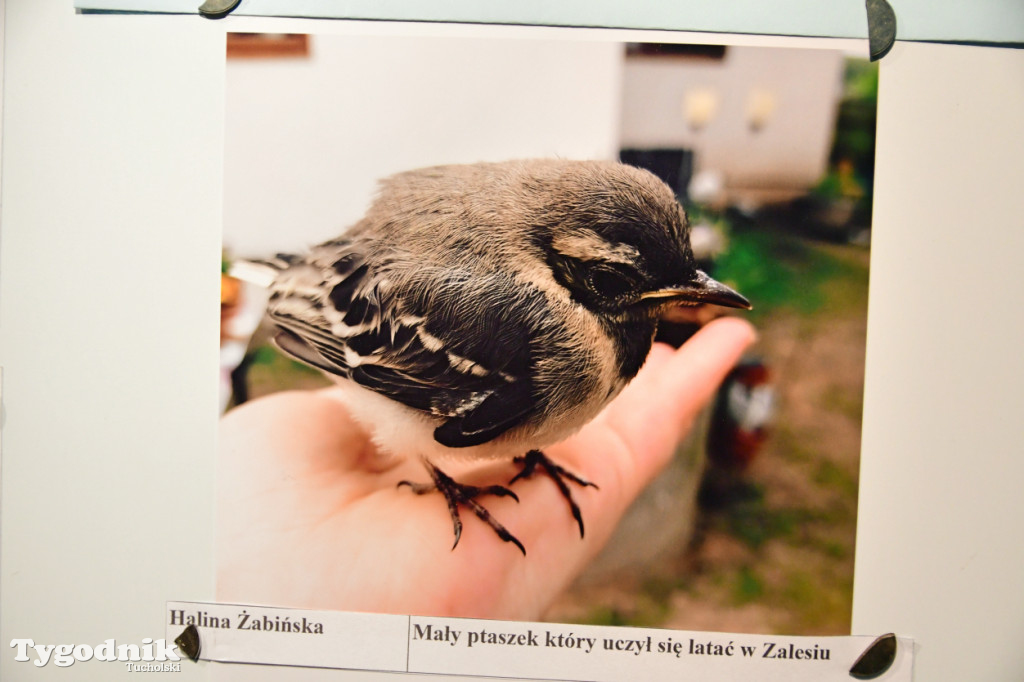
[457,493]
[558,474]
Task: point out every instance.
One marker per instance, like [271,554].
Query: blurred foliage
[748,586]
[861,80]
[648,609]
[272,371]
[606,615]
[777,270]
[749,519]
[841,181]
[853,146]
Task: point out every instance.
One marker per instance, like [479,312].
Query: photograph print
[556,328]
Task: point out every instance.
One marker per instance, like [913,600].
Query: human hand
[308,518]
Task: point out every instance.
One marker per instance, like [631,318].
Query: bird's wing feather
[421,341]
[495,415]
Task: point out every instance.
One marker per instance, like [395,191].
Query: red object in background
[741,417]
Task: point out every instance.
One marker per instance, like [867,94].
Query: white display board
[980,21]
[111,210]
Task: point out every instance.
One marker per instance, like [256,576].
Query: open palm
[310,517]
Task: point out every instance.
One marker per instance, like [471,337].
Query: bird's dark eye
[610,283]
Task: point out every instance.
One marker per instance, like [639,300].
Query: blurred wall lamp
[700,105]
[761,105]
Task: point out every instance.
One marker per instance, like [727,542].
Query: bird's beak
[702,289]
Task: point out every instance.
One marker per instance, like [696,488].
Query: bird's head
[620,243]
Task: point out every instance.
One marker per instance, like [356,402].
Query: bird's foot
[457,493]
[559,475]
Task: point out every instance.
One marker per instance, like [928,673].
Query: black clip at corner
[188,642]
[881,28]
[217,9]
[876,659]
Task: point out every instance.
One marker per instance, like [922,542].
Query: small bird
[492,309]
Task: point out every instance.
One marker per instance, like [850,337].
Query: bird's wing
[445,342]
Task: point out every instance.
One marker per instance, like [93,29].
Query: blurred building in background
[310,132]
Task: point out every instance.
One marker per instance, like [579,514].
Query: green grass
[778,271]
[748,587]
[817,601]
[271,372]
[841,400]
[828,475]
[646,611]
[604,615]
[751,521]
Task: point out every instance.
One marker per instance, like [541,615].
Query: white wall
[307,139]
[789,153]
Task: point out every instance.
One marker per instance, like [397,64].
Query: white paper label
[514,650]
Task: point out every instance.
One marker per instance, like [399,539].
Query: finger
[661,404]
[695,371]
